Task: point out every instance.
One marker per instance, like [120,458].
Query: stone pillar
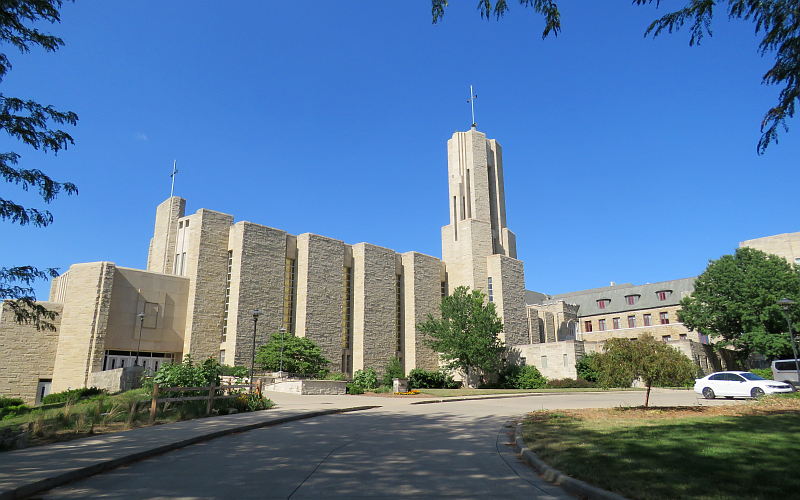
[258,258]
[422,294]
[84,325]
[374,306]
[320,268]
[206,267]
[508,283]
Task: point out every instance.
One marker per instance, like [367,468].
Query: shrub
[528,377]
[300,355]
[186,374]
[763,372]
[354,389]
[335,376]
[425,379]
[365,379]
[248,402]
[71,395]
[394,369]
[569,383]
[587,367]
[234,371]
[10,411]
[4,401]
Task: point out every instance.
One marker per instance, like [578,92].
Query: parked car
[785,370]
[738,384]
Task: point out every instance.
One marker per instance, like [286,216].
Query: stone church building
[206,274]
[361,303]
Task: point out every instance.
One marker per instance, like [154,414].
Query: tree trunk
[647,396]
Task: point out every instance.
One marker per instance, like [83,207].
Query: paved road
[454,449]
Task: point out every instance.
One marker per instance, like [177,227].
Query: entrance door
[42,390]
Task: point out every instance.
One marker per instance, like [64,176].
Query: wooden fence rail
[210,397]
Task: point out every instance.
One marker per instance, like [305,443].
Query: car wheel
[708,393]
[757,392]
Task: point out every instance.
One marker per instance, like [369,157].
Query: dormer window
[632,299]
[602,303]
[663,294]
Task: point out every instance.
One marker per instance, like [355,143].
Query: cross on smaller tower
[173,174]
[471,101]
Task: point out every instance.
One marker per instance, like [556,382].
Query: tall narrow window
[289,275]
[491,292]
[631,321]
[615,321]
[399,312]
[664,317]
[601,325]
[648,319]
[347,294]
[227,297]
[444,289]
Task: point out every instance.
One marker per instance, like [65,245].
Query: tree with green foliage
[735,300]
[587,367]
[655,363]
[300,355]
[31,123]
[467,334]
[776,21]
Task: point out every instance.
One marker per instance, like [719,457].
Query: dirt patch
[766,406]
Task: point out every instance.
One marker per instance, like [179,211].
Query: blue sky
[626,159]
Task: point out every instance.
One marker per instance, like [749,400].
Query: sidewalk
[32,470]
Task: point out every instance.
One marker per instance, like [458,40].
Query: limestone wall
[28,354]
[84,324]
[785,245]
[555,360]
[374,306]
[206,267]
[422,296]
[320,266]
[257,278]
[162,297]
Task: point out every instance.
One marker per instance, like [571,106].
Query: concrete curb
[502,396]
[84,472]
[577,487]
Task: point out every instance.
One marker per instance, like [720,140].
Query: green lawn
[450,393]
[664,454]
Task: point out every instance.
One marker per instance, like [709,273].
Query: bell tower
[478,249]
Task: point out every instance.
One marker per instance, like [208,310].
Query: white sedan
[738,384]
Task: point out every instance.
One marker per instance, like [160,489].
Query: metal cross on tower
[173,174]
[471,101]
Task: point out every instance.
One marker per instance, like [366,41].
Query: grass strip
[720,452]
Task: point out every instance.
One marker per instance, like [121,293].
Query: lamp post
[283,332]
[786,304]
[139,344]
[256,314]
